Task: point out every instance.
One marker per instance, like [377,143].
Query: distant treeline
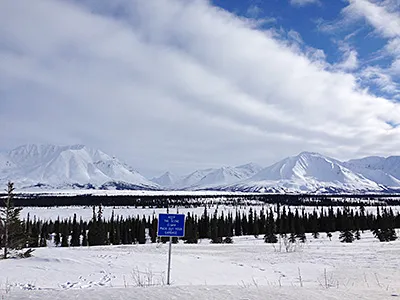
[162,201]
[270,223]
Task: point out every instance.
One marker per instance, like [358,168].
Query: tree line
[218,227]
[163,201]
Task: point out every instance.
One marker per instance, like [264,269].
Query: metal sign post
[170,225]
[169,260]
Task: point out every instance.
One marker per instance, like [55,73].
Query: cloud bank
[174,85]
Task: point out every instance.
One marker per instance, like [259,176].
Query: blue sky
[332,26]
[185,84]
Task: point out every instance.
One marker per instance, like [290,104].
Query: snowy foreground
[247,269]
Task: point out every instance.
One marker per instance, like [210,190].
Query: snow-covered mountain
[209,178]
[67,166]
[78,166]
[309,173]
[167,179]
[385,171]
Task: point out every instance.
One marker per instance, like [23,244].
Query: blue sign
[171,225]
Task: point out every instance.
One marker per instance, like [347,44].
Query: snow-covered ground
[247,269]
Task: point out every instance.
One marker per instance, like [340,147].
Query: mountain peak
[71,165]
[310,171]
[166,180]
[307,154]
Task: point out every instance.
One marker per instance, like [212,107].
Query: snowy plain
[246,269]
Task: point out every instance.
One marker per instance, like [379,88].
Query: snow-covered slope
[78,166]
[67,166]
[192,179]
[209,178]
[307,172]
[167,179]
[385,171]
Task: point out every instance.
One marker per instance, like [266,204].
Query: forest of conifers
[277,221]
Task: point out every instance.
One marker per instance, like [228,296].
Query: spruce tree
[238,222]
[57,236]
[141,231]
[215,239]
[357,235]
[190,230]
[64,235]
[76,234]
[97,233]
[43,235]
[270,235]
[12,231]
[346,236]
[111,229]
[33,239]
[314,225]
[153,230]
[84,238]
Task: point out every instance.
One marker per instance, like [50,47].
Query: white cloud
[385,22]
[303,2]
[174,84]
[294,35]
[380,78]
[350,61]
[350,58]
[384,18]
[253,11]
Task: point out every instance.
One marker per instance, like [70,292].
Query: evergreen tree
[84,238]
[33,239]
[76,234]
[12,229]
[314,225]
[292,237]
[256,228]
[97,234]
[238,224]
[64,235]
[142,231]
[300,230]
[346,236]
[43,235]
[111,229]
[215,239]
[384,226]
[357,235]
[190,230]
[250,223]
[270,235]
[153,230]
[57,236]
[117,239]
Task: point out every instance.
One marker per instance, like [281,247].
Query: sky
[180,85]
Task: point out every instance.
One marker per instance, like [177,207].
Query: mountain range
[63,167]
[81,167]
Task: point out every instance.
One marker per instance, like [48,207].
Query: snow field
[247,269]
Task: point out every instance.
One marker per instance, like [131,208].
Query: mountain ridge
[306,172]
[61,167]
[46,166]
